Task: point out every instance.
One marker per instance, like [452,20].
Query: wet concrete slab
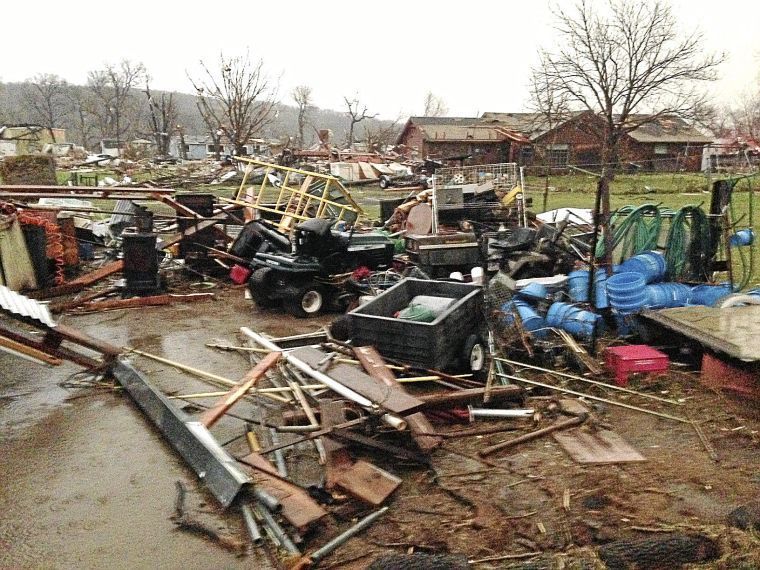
[87,481]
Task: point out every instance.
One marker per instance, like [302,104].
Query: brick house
[667,143]
[459,139]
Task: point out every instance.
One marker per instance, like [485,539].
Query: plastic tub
[531,320]
[534,291]
[577,282]
[576,321]
[665,295]
[650,264]
[709,295]
[626,291]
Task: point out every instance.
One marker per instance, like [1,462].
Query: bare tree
[113,104]
[624,62]
[356,116]
[80,103]
[237,99]
[302,98]
[434,106]
[46,101]
[163,119]
[379,134]
[745,115]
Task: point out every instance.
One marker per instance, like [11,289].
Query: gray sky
[476,55]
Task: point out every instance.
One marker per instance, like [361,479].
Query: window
[213,148]
[558,154]
[186,148]
[661,149]
[526,155]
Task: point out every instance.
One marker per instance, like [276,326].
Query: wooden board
[368,483]
[422,430]
[387,397]
[332,413]
[602,446]
[367,170]
[298,508]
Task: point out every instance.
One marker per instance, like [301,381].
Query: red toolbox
[622,360]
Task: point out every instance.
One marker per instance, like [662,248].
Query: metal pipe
[596,398]
[276,530]
[251,525]
[271,502]
[494,413]
[588,381]
[319,554]
[279,458]
[393,421]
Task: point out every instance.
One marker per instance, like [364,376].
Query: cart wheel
[474,353]
[385,182]
[304,301]
[260,286]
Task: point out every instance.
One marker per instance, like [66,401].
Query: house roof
[444,120]
[532,125]
[667,130]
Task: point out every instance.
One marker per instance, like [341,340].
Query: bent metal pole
[390,419]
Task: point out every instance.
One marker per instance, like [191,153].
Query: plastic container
[626,291]
[709,295]
[742,237]
[577,282]
[650,264]
[430,345]
[666,295]
[534,291]
[576,321]
[531,320]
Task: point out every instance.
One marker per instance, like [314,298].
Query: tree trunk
[671,551]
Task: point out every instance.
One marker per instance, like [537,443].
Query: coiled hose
[638,230]
[688,245]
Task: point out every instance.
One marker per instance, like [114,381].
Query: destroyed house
[459,138]
[29,139]
[202,147]
[663,144]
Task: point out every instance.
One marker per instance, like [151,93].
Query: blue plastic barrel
[650,264]
[533,291]
[577,287]
[665,295]
[576,321]
[742,237]
[626,291]
[709,295]
[531,320]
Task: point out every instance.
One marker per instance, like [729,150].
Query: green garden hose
[638,230]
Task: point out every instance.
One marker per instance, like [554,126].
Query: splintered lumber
[30,352]
[83,281]
[212,415]
[463,398]
[419,425]
[368,483]
[149,301]
[298,508]
[337,459]
[392,399]
[533,435]
[597,447]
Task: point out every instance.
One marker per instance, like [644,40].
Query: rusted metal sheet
[18,305]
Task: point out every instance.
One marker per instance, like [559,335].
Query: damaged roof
[668,129]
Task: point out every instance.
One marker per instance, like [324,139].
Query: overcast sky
[476,55]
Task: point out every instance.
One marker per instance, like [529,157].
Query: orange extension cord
[54,240]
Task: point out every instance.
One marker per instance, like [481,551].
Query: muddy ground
[88,482]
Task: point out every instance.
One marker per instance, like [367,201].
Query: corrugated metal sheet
[16,304]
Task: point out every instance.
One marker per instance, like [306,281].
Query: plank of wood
[212,415]
[368,483]
[131,303]
[332,413]
[367,171]
[298,508]
[599,447]
[29,351]
[419,425]
[389,398]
